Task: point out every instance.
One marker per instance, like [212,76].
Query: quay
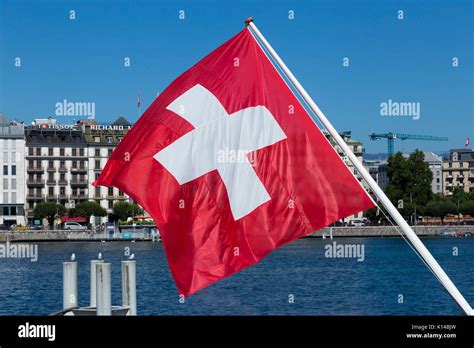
[390,231]
[145,235]
[78,236]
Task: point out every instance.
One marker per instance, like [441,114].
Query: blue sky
[407,60]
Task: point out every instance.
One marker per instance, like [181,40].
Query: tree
[124,210]
[89,208]
[467,208]
[48,210]
[440,208]
[410,181]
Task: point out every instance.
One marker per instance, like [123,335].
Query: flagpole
[413,238]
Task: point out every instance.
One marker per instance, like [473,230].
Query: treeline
[121,211]
[409,189]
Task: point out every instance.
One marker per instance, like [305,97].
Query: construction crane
[392,136]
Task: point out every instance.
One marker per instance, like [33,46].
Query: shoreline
[336,232]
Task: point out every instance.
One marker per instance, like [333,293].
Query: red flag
[230,166]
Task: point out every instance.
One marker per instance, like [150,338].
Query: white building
[12,175]
[101,141]
[436,166]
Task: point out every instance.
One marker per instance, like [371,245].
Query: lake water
[300,271]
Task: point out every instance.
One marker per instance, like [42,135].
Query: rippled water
[320,285]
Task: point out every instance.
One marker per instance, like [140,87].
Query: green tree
[124,210]
[88,208]
[440,208]
[409,180]
[48,210]
[467,208]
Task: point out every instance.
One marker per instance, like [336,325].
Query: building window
[5,184]
[74,152]
[111,204]
[51,191]
[62,164]
[97,153]
[13,197]
[62,191]
[97,139]
[111,191]
[110,152]
[61,152]
[5,170]
[5,211]
[74,164]
[97,191]
[13,210]
[14,170]
[38,151]
[81,152]
[62,177]
[5,156]
[5,197]
[13,184]
[97,164]
[50,151]
[97,176]
[30,151]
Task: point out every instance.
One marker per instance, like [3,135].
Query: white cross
[197,153]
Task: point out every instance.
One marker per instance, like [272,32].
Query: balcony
[51,169]
[35,182]
[100,197]
[51,182]
[62,182]
[76,183]
[449,184]
[62,196]
[79,170]
[78,196]
[35,196]
[62,169]
[34,169]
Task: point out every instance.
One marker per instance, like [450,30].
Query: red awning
[66,218]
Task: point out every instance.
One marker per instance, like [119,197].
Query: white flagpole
[415,241]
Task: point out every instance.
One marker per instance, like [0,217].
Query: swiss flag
[230,166]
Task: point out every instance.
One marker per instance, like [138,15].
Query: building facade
[56,165]
[62,162]
[101,141]
[12,175]
[357,148]
[435,164]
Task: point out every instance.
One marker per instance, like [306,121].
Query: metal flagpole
[413,238]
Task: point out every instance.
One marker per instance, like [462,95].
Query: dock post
[93,285]
[104,292]
[129,286]
[69,284]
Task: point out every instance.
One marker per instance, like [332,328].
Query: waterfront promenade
[141,235]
